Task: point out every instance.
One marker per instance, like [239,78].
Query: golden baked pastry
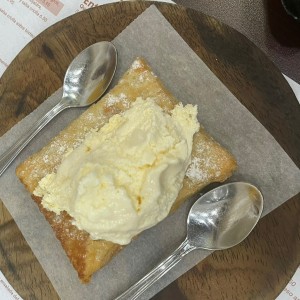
[210,163]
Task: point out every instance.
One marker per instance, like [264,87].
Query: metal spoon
[86,79]
[220,219]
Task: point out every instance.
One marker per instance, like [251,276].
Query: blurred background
[265,22]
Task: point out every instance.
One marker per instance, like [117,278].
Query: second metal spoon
[86,79]
[218,220]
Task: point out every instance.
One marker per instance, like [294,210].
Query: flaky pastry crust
[210,163]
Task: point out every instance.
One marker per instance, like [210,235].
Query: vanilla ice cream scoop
[125,177]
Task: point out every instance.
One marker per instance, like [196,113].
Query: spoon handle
[11,153]
[141,286]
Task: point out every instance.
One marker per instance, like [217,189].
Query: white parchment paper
[261,161]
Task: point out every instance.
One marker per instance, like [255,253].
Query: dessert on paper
[121,167]
[191,81]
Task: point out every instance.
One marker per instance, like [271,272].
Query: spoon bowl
[224,216]
[89,74]
[220,219]
[86,79]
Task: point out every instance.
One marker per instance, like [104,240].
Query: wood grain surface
[258,268]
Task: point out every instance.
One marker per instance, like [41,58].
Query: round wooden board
[258,268]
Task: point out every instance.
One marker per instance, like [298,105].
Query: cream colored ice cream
[125,177]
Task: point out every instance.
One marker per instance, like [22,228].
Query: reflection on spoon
[86,79]
[220,219]
[292,7]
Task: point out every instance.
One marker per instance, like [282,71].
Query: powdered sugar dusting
[203,167]
[46,158]
[121,98]
[59,147]
[195,172]
[144,76]
[91,116]
[136,64]
[141,78]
